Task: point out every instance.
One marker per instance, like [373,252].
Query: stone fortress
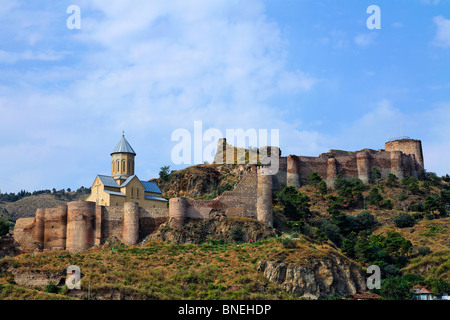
[83,224]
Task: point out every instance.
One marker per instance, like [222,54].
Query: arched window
[112,166]
[118,165]
[123,166]
[132,192]
[137,193]
[129,166]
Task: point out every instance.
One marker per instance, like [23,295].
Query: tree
[314,178]
[396,288]
[332,232]
[434,205]
[164,173]
[322,186]
[376,174]
[320,236]
[404,220]
[296,205]
[348,245]
[391,180]
[237,234]
[365,220]
[375,197]
[4,228]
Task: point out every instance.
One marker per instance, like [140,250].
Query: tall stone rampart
[81,225]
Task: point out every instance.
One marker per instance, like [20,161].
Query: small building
[123,185]
[365,295]
[422,293]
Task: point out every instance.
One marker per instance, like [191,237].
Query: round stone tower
[177,212]
[292,177]
[80,225]
[130,234]
[363,165]
[39,228]
[264,197]
[331,173]
[409,147]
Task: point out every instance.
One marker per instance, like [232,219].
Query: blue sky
[311,69]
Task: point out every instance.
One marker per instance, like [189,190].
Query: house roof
[123,147]
[366,295]
[111,182]
[127,181]
[108,181]
[155,198]
[115,193]
[421,290]
[151,187]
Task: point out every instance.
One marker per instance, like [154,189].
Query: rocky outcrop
[317,278]
[216,228]
[35,278]
[198,181]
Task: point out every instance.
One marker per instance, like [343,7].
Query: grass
[435,265]
[158,270]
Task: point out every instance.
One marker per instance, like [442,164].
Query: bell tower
[122,159]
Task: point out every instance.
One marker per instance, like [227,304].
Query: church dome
[123,147]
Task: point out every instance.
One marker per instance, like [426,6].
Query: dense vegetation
[347,217]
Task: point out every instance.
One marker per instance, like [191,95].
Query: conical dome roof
[123,147]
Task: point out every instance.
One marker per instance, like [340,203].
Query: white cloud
[146,68]
[442,37]
[364,39]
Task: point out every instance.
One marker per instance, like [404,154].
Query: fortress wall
[23,234]
[113,223]
[347,166]
[382,160]
[280,179]
[55,228]
[310,164]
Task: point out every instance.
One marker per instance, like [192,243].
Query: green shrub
[423,251]
[51,287]
[404,220]
[365,220]
[237,234]
[4,228]
[288,243]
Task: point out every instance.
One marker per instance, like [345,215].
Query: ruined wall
[403,158]
[240,202]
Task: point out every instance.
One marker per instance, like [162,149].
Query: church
[123,185]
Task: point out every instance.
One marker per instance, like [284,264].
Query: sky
[311,69]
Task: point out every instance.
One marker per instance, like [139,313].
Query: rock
[318,278]
[217,227]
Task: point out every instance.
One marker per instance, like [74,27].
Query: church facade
[123,185]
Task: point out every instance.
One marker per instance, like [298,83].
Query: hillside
[319,235]
[160,270]
[26,206]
